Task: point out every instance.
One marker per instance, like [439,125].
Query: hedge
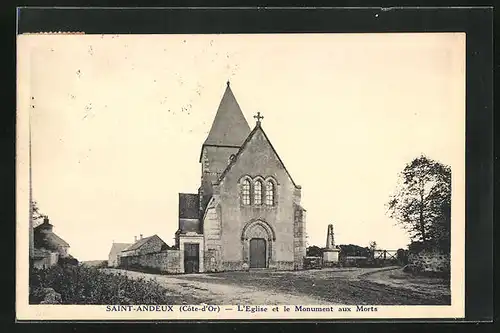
[81,284]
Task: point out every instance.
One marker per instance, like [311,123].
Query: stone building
[48,247]
[150,254]
[146,245]
[115,252]
[247,211]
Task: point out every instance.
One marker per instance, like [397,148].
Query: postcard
[252,176]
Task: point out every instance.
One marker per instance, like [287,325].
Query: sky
[119,121]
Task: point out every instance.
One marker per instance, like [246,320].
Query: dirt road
[348,286]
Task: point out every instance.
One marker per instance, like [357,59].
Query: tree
[440,230]
[354,250]
[422,201]
[314,251]
[36,216]
[402,256]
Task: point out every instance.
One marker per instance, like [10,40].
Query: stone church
[247,211]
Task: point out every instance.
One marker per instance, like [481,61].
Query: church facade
[247,211]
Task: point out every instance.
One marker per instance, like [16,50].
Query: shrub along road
[348,286]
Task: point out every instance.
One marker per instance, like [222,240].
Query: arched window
[258,193]
[270,193]
[245,193]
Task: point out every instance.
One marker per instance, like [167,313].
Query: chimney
[140,236]
[135,239]
[46,226]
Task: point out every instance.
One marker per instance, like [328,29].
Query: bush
[402,256]
[102,264]
[314,251]
[87,285]
[312,263]
[65,261]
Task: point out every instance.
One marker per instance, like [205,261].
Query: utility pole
[31,236]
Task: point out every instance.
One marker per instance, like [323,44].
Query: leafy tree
[36,216]
[416,247]
[422,201]
[402,256]
[440,230]
[354,250]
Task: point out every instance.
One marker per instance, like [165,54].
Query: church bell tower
[228,132]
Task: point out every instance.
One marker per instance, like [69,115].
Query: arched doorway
[258,253]
[257,239]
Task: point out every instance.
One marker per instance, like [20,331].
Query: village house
[48,247]
[115,252]
[142,246]
[150,253]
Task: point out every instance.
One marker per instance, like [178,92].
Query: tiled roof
[118,247]
[53,238]
[140,243]
[137,244]
[48,240]
[230,127]
[189,206]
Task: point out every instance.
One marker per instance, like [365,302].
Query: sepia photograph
[320,172]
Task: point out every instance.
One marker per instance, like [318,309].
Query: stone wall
[213,162]
[168,261]
[212,233]
[428,262]
[153,245]
[299,233]
[41,263]
[49,260]
[286,265]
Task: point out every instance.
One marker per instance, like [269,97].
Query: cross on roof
[258,117]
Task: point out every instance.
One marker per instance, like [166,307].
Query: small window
[270,193]
[258,193]
[245,194]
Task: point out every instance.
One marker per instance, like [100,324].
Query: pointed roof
[257,127]
[230,127]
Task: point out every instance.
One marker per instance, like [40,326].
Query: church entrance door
[191,258]
[257,253]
